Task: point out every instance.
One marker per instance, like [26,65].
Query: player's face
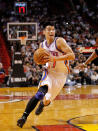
[49,32]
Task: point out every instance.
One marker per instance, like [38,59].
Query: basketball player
[55,74]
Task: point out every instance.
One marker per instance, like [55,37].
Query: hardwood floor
[73,107]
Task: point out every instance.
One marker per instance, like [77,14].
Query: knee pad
[43,89]
[39,95]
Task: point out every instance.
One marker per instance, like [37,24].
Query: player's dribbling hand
[48,58]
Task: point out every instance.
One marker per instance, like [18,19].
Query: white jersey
[56,75]
[58,66]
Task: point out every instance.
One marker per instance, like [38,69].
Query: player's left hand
[49,58]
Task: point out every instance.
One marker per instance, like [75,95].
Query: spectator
[2,71]
[76,31]
[94,78]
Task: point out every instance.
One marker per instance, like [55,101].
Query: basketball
[39,56]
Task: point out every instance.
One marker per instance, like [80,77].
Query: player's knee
[41,92]
[39,95]
[43,89]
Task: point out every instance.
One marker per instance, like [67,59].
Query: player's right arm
[63,47]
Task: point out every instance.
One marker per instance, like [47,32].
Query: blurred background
[75,20]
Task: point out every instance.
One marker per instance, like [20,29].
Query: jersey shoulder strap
[56,45]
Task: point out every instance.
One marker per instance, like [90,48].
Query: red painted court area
[59,97]
[58,128]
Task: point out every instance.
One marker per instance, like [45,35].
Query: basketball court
[74,109]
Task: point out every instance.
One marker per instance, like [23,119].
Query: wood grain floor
[78,104]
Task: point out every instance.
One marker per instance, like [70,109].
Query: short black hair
[46,23]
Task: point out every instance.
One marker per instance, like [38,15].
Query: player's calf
[39,109]
[32,104]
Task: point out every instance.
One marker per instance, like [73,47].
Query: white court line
[11,101]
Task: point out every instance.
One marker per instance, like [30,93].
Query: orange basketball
[39,56]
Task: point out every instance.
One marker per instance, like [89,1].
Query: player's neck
[49,41]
